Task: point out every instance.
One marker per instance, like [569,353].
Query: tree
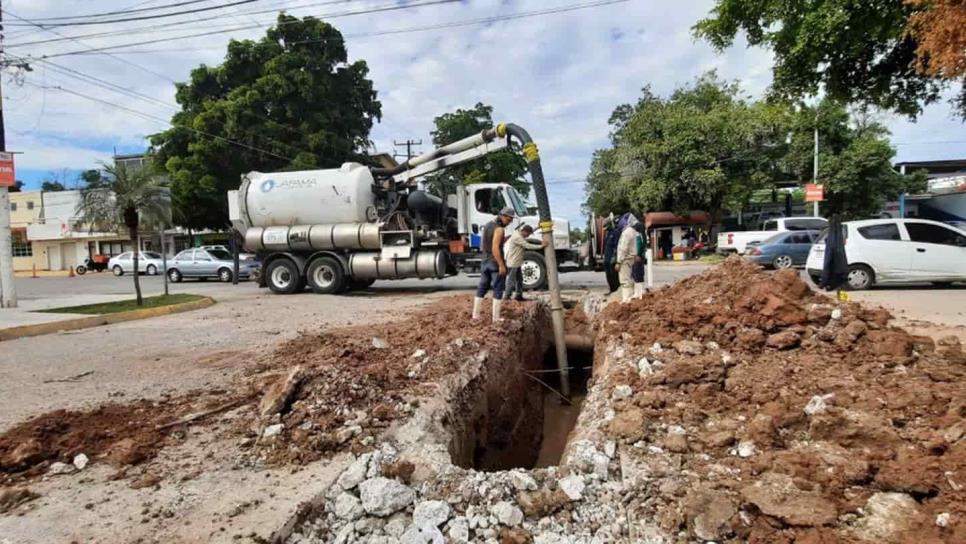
[88,177]
[852,51]
[940,28]
[705,147]
[505,166]
[125,198]
[579,235]
[16,187]
[52,186]
[288,101]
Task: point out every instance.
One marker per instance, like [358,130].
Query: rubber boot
[477,307]
[626,294]
[496,310]
[639,290]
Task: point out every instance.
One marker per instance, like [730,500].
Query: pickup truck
[737,242]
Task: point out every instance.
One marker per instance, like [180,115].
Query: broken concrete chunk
[573,486]
[746,448]
[887,516]
[942,520]
[622,391]
[419,353]
[80,461]
[273,430]
[59,468]
[422,535]
[396,525]
[459,531]
[521,481]
[818,404]
[378,343]
[507,514]
[382,496]
[431,513]
[279,394]
[348,507]
[355,473]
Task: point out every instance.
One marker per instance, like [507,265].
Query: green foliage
[505,166]
[16,187]
[852,51]
[52,186]
[579,235]
[288,101]
[124,198]
[703,148]
[89,176]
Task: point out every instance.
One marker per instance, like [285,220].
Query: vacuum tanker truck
[344,228]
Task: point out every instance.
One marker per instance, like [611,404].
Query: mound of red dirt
[796,417]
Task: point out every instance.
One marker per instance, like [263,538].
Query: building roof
[947,166]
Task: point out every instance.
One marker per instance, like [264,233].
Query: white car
[738,241]
[149,262]
[881,251]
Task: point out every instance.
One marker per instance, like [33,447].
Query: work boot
[627,292]
[477,307]
[496,310]
[639,290]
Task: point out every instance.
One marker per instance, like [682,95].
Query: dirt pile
[761,411]
[350,385]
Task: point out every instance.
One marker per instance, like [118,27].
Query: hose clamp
[530,152]
[501,130]
[546,226]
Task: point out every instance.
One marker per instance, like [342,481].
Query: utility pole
[8,290]
[815,167]
[409,147]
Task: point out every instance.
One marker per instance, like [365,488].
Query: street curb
[24,331]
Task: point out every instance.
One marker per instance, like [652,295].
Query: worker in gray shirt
[492,266]
[516,247]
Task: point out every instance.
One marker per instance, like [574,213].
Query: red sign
[7,178]
[814,192]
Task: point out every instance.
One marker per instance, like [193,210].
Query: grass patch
[124,305]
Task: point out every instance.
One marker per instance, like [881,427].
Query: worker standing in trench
[516,248]
[493,266]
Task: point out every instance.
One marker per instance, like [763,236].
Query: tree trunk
[137,278]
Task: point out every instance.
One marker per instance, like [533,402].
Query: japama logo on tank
[267,185]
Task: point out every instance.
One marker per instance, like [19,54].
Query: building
[945,196]
[24,209]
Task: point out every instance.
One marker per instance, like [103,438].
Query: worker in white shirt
[516,248]
[624,261]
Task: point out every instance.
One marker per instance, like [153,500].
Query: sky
[559,75]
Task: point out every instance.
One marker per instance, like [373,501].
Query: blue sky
[558,75]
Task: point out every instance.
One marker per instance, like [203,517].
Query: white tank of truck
[309,197]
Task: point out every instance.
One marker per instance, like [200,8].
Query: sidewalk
[42,273]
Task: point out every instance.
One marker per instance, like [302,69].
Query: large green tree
[853,51]
[505,166]
[288,101]
[706,147]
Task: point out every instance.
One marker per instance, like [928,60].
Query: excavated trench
[513,414]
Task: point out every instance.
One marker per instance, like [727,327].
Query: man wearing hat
[493,265]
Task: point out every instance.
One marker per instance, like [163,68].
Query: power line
[395,7]
[162,120]
[122,12]
[143,17]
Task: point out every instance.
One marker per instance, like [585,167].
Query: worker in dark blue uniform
[493,265]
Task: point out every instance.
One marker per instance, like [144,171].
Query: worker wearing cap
[493,266]
[516,248]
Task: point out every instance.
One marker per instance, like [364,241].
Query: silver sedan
[149,262]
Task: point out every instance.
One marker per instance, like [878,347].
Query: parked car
[882,251]
[737,242]
[783,250]
[149,262]
[241,255]
[208,263]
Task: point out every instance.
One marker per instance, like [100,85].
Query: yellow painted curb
[98,320]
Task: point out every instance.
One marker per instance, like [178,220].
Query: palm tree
[125,197]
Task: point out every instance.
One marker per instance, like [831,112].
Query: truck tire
[283,278]
[534,271]
[325,276]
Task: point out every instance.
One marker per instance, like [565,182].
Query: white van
[738,241]
[882,251]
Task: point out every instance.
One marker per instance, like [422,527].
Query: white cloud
[560,76]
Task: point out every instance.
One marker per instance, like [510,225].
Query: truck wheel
[325,276]
[534,271]
[283,277]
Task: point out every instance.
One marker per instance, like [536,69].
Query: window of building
[886,231]
[13,206]
[30,204]
[934,234]
[21,246]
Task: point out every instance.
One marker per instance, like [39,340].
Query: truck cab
[483,201]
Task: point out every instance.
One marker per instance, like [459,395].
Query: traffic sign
[7,177]
[814,192]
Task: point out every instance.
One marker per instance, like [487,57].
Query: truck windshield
[516,201]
